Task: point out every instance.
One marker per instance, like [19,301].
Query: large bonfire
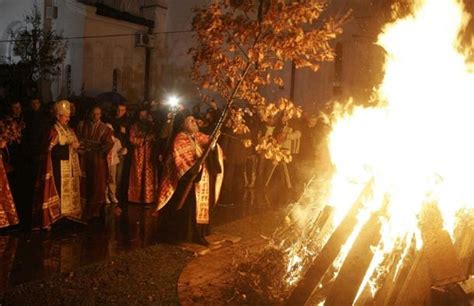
[403,181]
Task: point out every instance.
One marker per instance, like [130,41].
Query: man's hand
[123,130]
[213,105]
[75,145]
[53,142]
[123,151]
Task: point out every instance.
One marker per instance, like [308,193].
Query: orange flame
[416,143]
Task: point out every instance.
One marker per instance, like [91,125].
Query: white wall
[157,10]
[70,22]
[178,63]
[104,54]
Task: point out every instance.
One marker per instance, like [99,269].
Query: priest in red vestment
[96,142]
[8,215]
[189,222]
[58,188]
[142,184]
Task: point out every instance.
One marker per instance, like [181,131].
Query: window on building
[7,53]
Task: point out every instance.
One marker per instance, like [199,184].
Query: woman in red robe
[142,185]
[8,215]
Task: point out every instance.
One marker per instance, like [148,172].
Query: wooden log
[328,254]
[394,281]
[384,279]
[452,294]
[416,289]
[355,265]
[320,221]
[468,286]
[324,287]
[444,265]
[365,298]
[321,225]
[465,247]
[323,217]
[319,294]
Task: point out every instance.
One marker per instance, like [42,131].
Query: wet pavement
[30,255]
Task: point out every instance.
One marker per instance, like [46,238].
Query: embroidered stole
[70,176]
[202,188]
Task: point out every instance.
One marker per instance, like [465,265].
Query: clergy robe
[142,184]
[97,141]
[8,215]
[59,182]
[188,223]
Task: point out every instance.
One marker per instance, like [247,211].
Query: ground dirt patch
[146,276]
[212,279]
[150,276]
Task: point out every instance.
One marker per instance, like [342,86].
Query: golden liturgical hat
[62,107]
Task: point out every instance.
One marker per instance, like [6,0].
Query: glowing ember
[415,144]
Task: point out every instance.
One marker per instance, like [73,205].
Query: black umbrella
[110,98]
[108,101]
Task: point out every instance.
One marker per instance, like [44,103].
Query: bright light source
[173,101]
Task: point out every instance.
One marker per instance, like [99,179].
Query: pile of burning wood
[441,272]
[438,270]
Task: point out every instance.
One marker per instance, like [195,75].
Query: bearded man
[59,184]
[96,142]
[189,221]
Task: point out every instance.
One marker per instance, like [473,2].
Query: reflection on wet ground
[28,256]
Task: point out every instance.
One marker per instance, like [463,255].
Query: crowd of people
[56,164]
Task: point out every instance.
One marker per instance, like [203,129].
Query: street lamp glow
[173,101]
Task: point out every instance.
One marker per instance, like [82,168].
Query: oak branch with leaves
[231,34]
